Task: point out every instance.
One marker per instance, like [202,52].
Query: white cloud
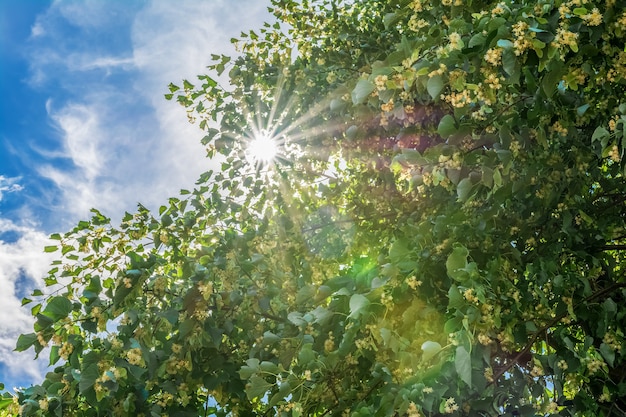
[8,185]
[20,261]
[37,30]
[82,135]
[127,143]
[85,62]
[117,142]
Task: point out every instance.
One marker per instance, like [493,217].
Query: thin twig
[558,318]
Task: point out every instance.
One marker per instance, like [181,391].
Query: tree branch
[613,247]
[554,321]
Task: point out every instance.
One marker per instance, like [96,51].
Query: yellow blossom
[412,410]
[455,40]
[488,374]
[329,344]
[469,295]
[381,82]
[388,106]
[484,339]
[494,56]
[498,10]
[594,18]
[417,6]
[450,406]
[43,404]
[614,154]
[413,282]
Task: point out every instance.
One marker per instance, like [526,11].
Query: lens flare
[262,149]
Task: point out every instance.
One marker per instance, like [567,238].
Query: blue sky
[83,123]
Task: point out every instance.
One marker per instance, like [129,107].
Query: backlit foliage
[443,232]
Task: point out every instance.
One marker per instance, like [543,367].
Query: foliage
[443,231]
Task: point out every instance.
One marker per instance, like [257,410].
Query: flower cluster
[594,365]
[565,38]
[412,411]
[610,339]
[523,37]
[134,356]
[488,374]
[66,350]
[329,344]
[484,340]
[42,340]
[43,404]
[175,365]
[455,41]
[381,82]
[594,18]
[458,100]
[450,406]
[413,282]
[469,295]
[415,23]
[558,128]
[536,371]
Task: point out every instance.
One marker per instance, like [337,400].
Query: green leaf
[5,402]
[390,19]
[434,86]
[57,308]
[510,64]
[49,249]
[54,355]
[505,44]
[88,377]
[600,134]
[25,341]
[306,354]
[362,90]
[269,367]
[447,126]
[430,349]
[457,261]
[257,387]
[463,365]
[295,317]
[251,367]
[607,353]
[166,220]
[477,40]
[358,303]
[455,297]
[497,179]
[398,251]
[550,81]
[464,189]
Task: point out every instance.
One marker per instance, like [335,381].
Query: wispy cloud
[36,30]
[20,262]
[125,142]
[82,135]
[83,62]
[114,140]
[8,185]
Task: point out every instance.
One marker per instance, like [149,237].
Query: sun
[262,149]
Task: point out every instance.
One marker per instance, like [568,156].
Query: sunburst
[262,149]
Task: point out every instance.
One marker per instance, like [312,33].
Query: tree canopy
[442,230]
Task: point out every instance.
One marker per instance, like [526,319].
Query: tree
[442,231]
